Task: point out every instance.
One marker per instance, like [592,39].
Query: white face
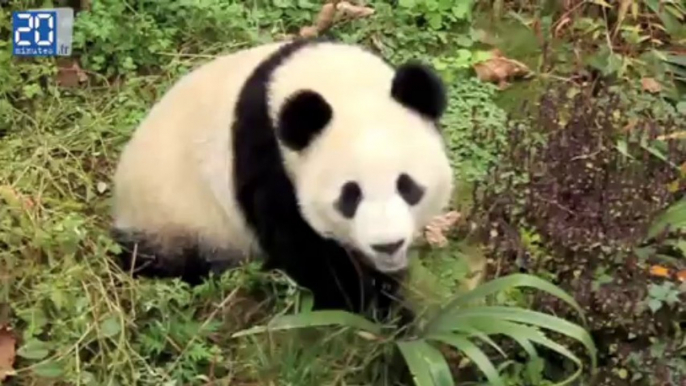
[374,188]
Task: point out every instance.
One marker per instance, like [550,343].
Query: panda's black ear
[302,117]
[419,88]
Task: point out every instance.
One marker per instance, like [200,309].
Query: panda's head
[369,166]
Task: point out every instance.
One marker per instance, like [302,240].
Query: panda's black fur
[267,198]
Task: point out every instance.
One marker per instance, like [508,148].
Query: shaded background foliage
[574,197]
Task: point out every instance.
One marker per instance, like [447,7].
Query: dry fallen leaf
[659,271]
[367,336]
[676,135]
[354,11]
[7,353]
[651,85]
[334,12]
[500,69]
[435,231]
[560,24]
[325,17]
[309,31]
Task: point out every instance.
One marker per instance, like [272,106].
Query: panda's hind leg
[148,255]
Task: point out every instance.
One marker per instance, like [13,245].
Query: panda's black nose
[388,248]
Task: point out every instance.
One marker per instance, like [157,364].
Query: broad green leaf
[614,64]
[110,327]
[435,20]
[474,353]
[644,253]
[282,3]
[678,244]
[681,107]
[623,148]
[314,319]
[48,369]
[34,349]
[407,3]
[672,24]
[654,150]
[426,363]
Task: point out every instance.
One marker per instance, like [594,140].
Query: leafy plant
[461,323]
[475,129]
[106,48]
[658,295]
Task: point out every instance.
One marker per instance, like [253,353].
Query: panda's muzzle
[388,248]
[387,257]
[390,257]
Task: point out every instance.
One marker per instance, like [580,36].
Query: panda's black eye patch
[302,118]
[349,200]
[409,190]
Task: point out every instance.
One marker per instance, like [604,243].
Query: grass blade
[426,363]
[679,60]
[473,352]
[314,319]
[522,333]
[470,331]
[478,324]
[506,282]
[497,314]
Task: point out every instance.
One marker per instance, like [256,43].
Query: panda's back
[173,180]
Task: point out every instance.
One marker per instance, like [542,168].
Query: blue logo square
[34,33]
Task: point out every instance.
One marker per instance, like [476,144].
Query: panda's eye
[409,190]
[349,200]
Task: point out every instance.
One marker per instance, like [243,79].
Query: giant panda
[317,156]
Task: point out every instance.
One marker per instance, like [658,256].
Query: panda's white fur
[235,160]
[174,175]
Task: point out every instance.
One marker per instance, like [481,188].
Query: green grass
[80,321]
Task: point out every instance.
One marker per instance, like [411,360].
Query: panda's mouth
[390,265]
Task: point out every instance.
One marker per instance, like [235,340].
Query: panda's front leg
[336,280]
